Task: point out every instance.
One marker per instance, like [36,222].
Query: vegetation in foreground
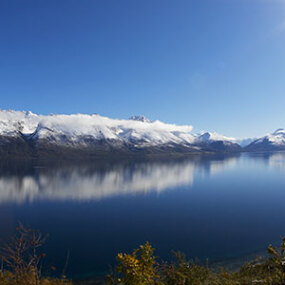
[22,265]
[22,260]
[142,268]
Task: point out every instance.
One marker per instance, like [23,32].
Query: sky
[218,65]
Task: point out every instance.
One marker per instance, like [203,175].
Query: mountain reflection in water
[95,182]
[216,206]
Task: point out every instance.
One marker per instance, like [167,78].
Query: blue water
[216,207]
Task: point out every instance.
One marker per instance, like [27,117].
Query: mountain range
[27,134]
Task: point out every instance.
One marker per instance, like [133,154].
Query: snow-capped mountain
[85,129]
[27,132]
[140,118]
[216,142]
[210,137]
[12,122]
[270,142]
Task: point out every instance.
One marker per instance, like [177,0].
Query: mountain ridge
[30,134]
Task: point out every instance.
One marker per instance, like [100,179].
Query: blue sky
[218,65]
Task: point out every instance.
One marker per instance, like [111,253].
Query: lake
[217,207]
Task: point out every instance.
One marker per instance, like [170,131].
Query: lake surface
[216,207]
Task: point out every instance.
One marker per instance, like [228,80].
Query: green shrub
[136,268]
[142,268]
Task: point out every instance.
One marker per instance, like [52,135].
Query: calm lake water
[216,207]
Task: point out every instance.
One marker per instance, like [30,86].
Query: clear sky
[218,65]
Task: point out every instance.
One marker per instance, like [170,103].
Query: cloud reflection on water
[89,182]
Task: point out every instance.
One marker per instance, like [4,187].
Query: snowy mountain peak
[208,136]
[205,136]
[12,122]
[270,142]
[278,137]
[140,118]
[279,132]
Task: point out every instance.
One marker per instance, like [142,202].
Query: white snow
[277,138]
[138,130]
[99,127]
[94,126]
[13,121]
[207,136]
